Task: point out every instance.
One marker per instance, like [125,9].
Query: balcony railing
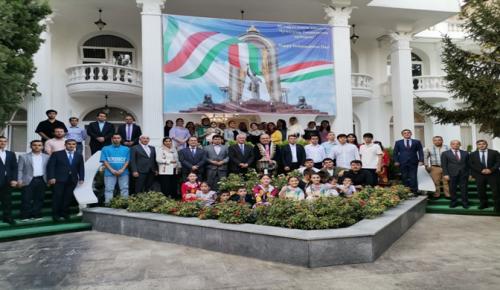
[362,86]
[104,77]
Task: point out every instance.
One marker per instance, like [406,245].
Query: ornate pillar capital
[338,13]
[151,6]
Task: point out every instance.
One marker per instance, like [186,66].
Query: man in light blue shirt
[115,158]
[329,144]
[77,133]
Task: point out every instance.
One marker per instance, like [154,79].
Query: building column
[401,83]
[38,103]
[152,76]
[338,14]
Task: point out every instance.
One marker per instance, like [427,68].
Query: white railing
[361,81]
[429,83]
[104,73]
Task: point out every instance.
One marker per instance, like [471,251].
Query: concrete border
[362,242]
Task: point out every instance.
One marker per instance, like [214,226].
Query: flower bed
[323,213]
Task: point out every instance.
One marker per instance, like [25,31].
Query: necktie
[192,151]
[268,154]
[483,159]
[70,158]
[407,144]
[129,132]
[457,156]
[242,148]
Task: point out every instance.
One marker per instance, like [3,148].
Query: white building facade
[395,59]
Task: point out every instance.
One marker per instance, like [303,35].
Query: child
[332,187]
[242,196]
[264,191]
[306,179]
[316,189]
[347,189]
[189,188]
[205,195]
[224,197]
[292,190]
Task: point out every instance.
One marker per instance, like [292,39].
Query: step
[443,201]
[473,210]
[46,211]
[22,233]
[46,220]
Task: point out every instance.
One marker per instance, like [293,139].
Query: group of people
[201,155]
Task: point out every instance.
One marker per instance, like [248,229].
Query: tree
[473,78]
[20,31]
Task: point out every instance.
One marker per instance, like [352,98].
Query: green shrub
[209,213]
[188,209]
[118,202]
[146,202]
[234,213]
[169,206]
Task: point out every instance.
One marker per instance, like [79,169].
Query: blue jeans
[79,148]
[110,183]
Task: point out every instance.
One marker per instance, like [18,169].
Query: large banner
[247,67]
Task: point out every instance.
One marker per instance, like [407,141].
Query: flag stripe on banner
[308,76]
[245,54]
[301,65]
[168,36]
[188,48]
[307,71]
[253,54]
[209,58]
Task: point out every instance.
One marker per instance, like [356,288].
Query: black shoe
[66,218]
[56,219]
[453,205]
[483,206]
[466,206]
[10,221]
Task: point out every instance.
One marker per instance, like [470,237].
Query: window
[416,65]
[418,132]
[17,131]
[108,49]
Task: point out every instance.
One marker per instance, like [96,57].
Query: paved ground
[439,252]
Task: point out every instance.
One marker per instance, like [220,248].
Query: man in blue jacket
[408,155]
[65,170]
[8,179]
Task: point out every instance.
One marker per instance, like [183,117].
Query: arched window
[107,49]
[115,115]
[416,65]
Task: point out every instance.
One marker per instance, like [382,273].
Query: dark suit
[67,176]
[8,173]
[236,157]
[136,133]
[286,157]
[458,171]
[277,156]
[408,159]
[145,165]
[492,163]
[188,160]
[94,132]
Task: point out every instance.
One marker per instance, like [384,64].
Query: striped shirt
[433,155]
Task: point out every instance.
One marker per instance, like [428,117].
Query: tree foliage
[20,31]
[473,77]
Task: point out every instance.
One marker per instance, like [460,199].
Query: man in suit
[115,158]
[100,132]
[293,155]
[193,159]
[130,132]
[408,155]
[143,164]
[455,165]
[65,170]
[8,179]
[240,155]
[267,155]
[32,178]
[217,159]
[484,164]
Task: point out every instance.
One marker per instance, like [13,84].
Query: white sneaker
[25,220]
[80,213]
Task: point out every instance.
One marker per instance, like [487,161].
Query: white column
[401,83]
[37,104]
[338,16]
[152,83]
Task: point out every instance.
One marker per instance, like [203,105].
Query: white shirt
[369,155]
[3,156]
[37,161]
[217,149]
[147,149]
[344,154]
[303,168]
[293,149]
[72,155]
[315,152]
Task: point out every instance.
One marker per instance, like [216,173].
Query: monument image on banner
[247,67]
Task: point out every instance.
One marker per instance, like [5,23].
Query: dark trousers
[168,184]
[318,165]
[213,177]
[493,181]
[6,199]
[143,182]
[373,176]
[459,181]
[409,176]
[62,195]
[32,198]
[293,166]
